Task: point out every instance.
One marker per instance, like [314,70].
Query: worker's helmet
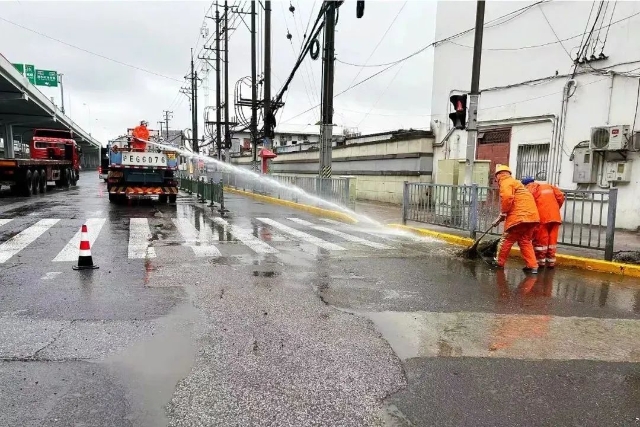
[502,168]
[527,180]
[144,123]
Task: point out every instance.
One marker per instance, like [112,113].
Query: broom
[472,251]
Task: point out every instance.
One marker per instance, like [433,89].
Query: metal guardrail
[588,216]
[204,190]
[299,189]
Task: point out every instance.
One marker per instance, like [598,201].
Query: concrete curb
[325,213]
[583,263]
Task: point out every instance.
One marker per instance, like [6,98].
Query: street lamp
[61,91]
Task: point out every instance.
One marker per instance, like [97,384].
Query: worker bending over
[140,136]
[549,199]
[518,210]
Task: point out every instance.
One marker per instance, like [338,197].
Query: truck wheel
[25,185]
[172,198]
[162,198]
[43,181]
[35,183]
[65,178]
[113,197]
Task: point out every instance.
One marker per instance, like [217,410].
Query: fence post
[611,223]
[473,211]
[202,187]
[213,188]
[222,209]
[346,193]
[405,202]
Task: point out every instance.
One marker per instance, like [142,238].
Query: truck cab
[54,144]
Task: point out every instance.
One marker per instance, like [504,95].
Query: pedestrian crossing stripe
[201,239]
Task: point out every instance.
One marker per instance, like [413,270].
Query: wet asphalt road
[272,319]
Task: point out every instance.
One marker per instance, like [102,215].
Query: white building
[537,107]
[241,141]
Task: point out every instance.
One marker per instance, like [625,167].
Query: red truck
[54,159]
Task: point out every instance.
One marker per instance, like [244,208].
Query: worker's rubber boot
[530,270]
[494,264]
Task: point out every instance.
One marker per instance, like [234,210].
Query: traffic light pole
[474,96]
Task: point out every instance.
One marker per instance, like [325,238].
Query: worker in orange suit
[549,199]
[140,136]
[519,212]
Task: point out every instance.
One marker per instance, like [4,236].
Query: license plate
[144,159]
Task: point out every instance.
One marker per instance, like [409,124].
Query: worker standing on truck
[140,136]
[518,210]
[549,199]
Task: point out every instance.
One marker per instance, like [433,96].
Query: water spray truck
[141,169]
[54,159]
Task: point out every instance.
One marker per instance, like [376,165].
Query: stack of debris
[627,257]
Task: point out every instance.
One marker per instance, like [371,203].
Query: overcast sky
[106,97]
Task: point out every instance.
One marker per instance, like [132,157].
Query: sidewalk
[387,213]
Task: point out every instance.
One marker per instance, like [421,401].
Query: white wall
[534,108]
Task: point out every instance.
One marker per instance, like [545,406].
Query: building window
[532,161]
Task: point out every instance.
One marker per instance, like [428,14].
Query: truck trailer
[141,173]
[54,160]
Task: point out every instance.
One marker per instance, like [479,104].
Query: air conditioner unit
[609,138]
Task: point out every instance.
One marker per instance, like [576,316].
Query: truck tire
[65,178]
[43,181]
[172,198]
[35,183]
[162,198]
[25,185]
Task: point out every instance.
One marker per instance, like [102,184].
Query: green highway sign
[30,73]
[46,78]
[38,77]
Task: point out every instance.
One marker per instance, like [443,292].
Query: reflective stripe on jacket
[549,200]
[516,202]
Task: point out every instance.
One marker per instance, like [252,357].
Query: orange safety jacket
[549,199]
[516,203]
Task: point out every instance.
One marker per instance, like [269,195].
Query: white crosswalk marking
[345,236]
[24,239]
[196,240]
[245,236]
[301,235]
[139,235]
[382,233]
[70,252]
[4,221]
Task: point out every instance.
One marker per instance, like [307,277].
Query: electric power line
[88,51]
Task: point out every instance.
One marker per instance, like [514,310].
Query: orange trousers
[545,243]
[523,235]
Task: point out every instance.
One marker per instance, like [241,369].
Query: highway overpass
[24,108]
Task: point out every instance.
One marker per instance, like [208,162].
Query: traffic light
[459,115]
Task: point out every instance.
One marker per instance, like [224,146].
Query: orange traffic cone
[85,260]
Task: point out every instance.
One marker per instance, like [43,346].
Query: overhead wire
[89,51]
[312,77]
[379,41]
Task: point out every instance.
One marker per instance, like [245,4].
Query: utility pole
[327,94]
[160,123]
[472,127]
[254,92]
[227,136]
[194,108]
[218,112]
[61,91]
[267,74]
[166,121]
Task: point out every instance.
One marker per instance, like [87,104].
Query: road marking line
[301,235]
[70,252]
[385,233]
[4,221]
[194,239]
[245,236]
[50,275]
[139,234]
[345,236]
[23,239]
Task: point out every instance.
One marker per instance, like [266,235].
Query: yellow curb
[583,263]
[326,213]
